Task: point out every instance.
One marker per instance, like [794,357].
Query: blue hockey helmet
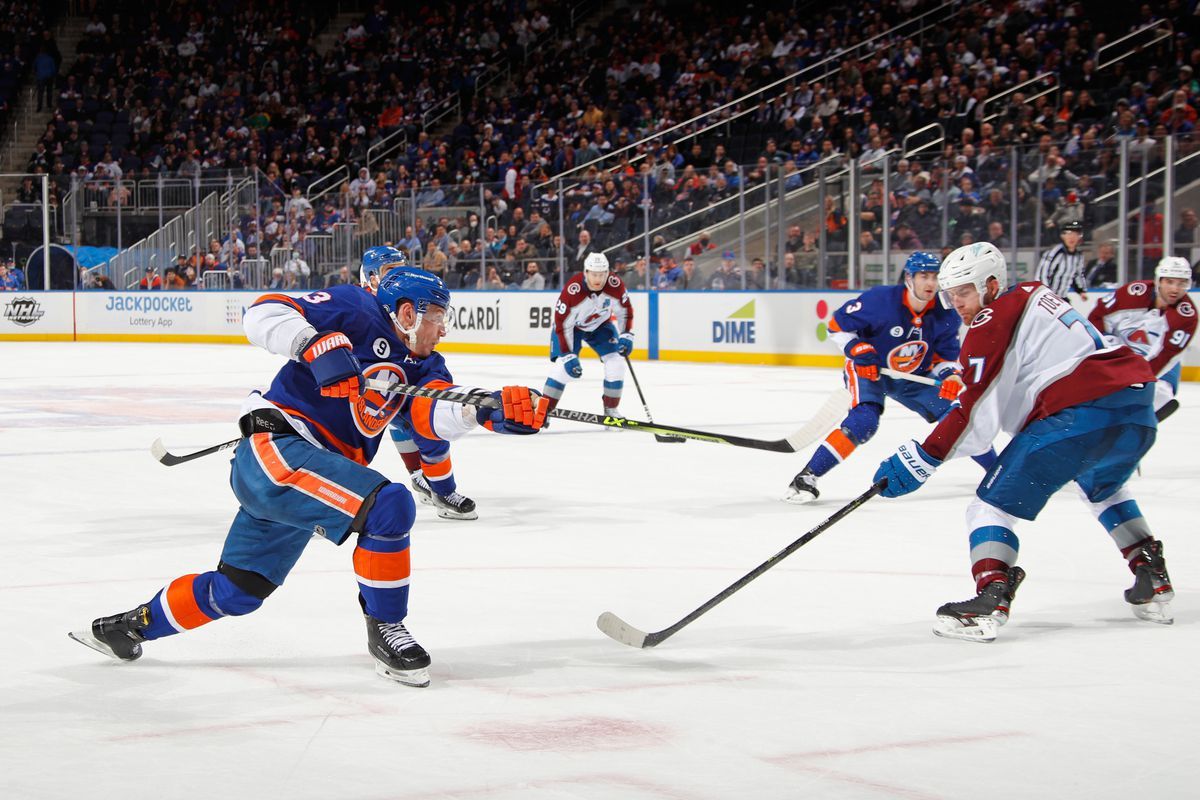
[921,261]
[420,287]
[377,260]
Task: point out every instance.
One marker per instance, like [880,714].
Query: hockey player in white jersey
[1079,409]
[593,307]
[1158,320]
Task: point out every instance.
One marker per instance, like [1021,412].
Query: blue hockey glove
[625,345]
[906,470]
[571,364]
[522,411]
[331,360]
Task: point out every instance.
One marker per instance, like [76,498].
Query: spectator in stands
[45,71]
[102,281]
[1185,234]
[298,269]
[905,238]
[689,277]
[492,281]
[27,192]
[150,279]
[582,251]
[1101,271]
[995,235]
[340,277]
[668,274]
[728,275]
[867,243]
[534,279]
[1069,210]
[756,278]
[703,244]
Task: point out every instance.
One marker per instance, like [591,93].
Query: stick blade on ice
[159,451]
[616,628]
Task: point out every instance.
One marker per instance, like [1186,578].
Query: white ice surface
[821,679]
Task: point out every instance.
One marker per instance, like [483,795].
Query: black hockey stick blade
[159,451]
[616,628]
[1169,408]
[658,437]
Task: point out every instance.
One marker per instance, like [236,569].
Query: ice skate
[803,488]
[397,655]
[979,619]
[1151,594]
[422,489]
[454,506]
[119,636]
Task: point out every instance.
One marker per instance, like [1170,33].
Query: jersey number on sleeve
[316,297]
[1071,317]
[1179,339]
[977,364]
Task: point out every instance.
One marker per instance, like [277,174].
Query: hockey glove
[865,358]
[625,345]
[522,411]
[906,470]
[570,363]
[331,360]
[950,386]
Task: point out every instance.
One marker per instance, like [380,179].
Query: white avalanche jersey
[1160,336]
[580,308]
[1026,356]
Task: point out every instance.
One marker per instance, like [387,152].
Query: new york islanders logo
[373,410]
[907,356]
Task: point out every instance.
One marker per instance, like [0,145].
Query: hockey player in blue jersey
[901,327]
[427,460]
[301,469]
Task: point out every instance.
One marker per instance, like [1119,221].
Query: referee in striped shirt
[1061,267]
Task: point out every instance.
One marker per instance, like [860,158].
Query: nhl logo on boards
[23,311]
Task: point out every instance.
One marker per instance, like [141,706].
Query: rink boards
[784,328]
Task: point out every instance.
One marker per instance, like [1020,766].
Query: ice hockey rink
[821,679]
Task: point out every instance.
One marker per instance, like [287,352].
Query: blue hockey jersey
[907,340]
[350,426]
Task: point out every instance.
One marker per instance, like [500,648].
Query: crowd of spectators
[199,89]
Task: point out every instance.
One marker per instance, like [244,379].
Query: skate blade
[449,513]
[798,498]
[978,629]
[422,498]
[1159,613]
[86,639]
[418,678]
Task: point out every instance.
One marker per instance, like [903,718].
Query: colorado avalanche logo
[373,410]
[907,356]
[1186,309]
[982,318]
[573,288]
[1137,289]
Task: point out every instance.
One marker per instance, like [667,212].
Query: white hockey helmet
[595,262]
[974,264]
[1174,267]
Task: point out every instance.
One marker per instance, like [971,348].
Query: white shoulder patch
[1186,309]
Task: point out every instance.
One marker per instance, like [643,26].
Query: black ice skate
[978,619]
[1151,593]
[449,506]
[119,636]
[397,655]
[803,488]
[422,489]
[454,506]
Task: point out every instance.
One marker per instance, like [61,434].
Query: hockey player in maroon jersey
[593,307]
[1158,320]
[1078,409]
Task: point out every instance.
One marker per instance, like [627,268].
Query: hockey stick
[815,428]
[793,443]
[159,451]
[658,437]
[616,628]
[908,376]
